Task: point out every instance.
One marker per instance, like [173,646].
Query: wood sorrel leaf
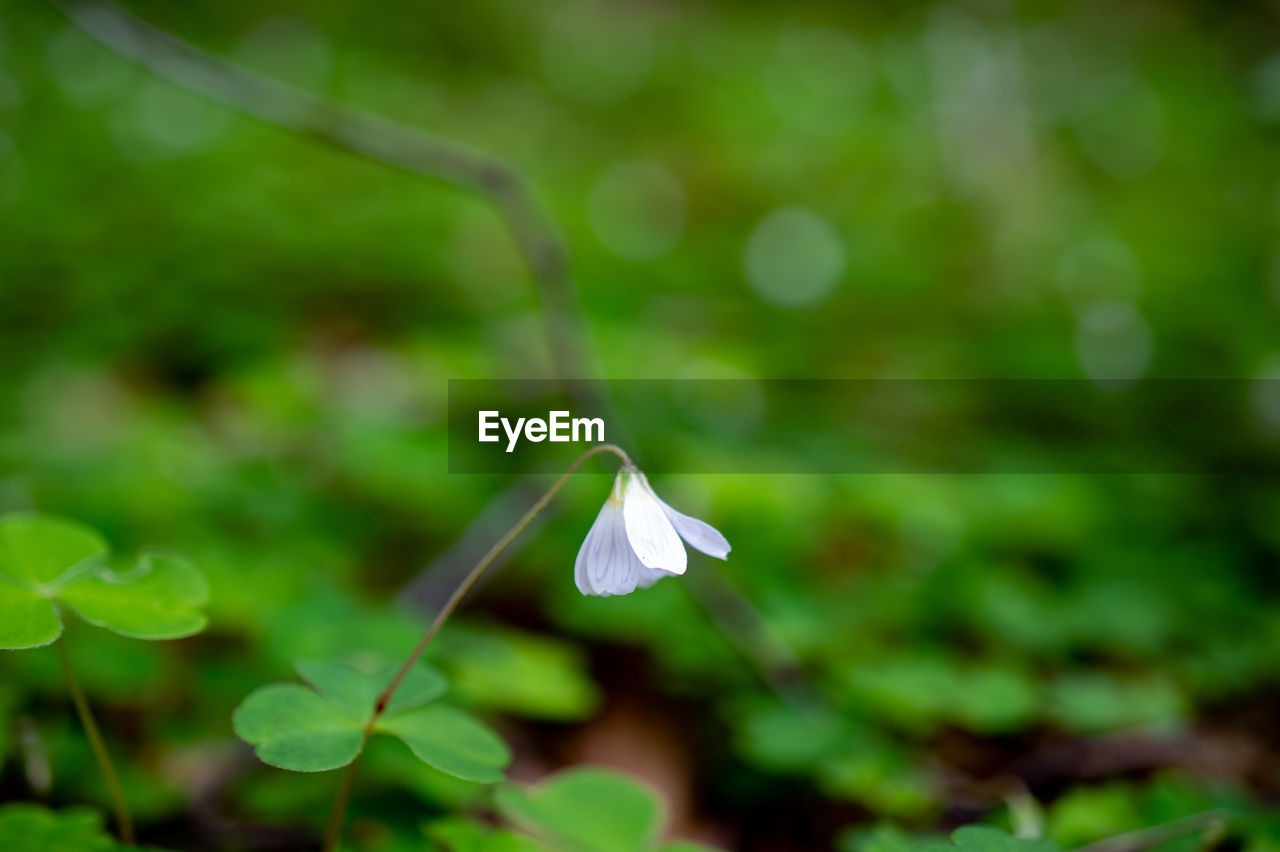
[45,561]
[985,838]
[457,834]
[451,740]
[306,730]
[38,550]
[158,599]
[26,620]
[294,728]
[28,826]
[354,690]
[586,808]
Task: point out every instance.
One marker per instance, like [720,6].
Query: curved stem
[336,816]
[124,823]
[368,135]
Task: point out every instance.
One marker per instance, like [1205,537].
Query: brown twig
[371,136]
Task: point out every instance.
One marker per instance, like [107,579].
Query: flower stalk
[124,822]
[337,815]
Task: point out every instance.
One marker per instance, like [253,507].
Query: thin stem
[333,829]
[333,832]
[485,561]
[124,823]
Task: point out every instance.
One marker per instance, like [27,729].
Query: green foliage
[28,826]
[920,691]
[589,810]
[592,808]
[879,838]
[312,730]
[503,669]
[1091,703]
[461,835]
[847,757]
[1086,814]
[984,838]
[252,369]
[46,561]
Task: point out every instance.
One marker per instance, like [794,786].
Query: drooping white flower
[635,540]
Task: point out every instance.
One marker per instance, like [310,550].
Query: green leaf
[509,670]
[354,690]
[985,838]
[309,730]
[26,619]
[879,838]
[38,549]
[45,561]
[159,599]
[992,699]
[459,835]
[28,826]
[292,727]
[452,741]
[591,809]
[1095,702]
[1085,814]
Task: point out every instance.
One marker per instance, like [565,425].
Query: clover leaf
[457,834]
[322,727]
[985,838]
[47,563]
[589,809]
[29,826]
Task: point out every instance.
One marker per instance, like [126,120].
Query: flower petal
[646,577]
[650,532]
[605,563]
[699,534]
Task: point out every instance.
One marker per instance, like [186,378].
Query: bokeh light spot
[1113,342]
[1266,89]
[1266,394]
[794,257]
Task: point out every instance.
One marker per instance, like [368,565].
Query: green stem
[333,832]
[124,823]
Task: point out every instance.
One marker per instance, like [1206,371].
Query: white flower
[635,540]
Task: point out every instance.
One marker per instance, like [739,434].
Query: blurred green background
[221,337]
